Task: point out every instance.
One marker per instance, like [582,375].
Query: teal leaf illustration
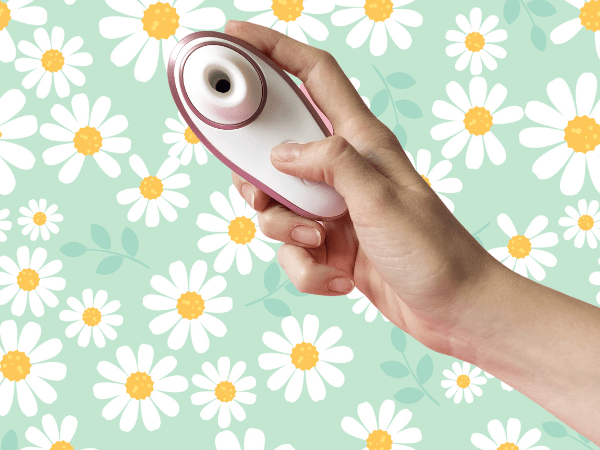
[409,109]
[541,8]
[398,339]
[400,80]
[400,134]
[109,265]
[130,242]
[294,291]
[409,395]
[583,438]
[73,249]
[272,277]
[512,8]
[100,236]
[394,369]
[555,429]
[277,307]
[9,441]
[380,102]
[538,38]
[424,369]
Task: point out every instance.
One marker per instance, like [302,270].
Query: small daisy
[30,279]
[434,178]
[30,375]
[70,2]
[523,250]
[382,17]
[226,390]
[463,381]
[234,235]
[151,25]
[507,439]
[595,280]
[190,305]
[363,304]
[582,224]
[51,438]
[12,11]
[562,128]
[302,352]
[505,386]
[39,219]
[93,317]
[389,433]
[134,386]
[5,225]
[473,121]
[85,136]
[474,42]
[254,439]
[155,192]
[185,142]
[292,18]
[49,61]
[588,10]
[11,103]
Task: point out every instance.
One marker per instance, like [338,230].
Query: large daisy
[462,381]
[150,25]
[523,250]
[504,386]
[13,11]
[301,352]
[574,133]
[85,135]
[185,142]
[507,439]
[51,438]
[390,433]
[363,303]
[155,192]
[50,61]
[135,386]
[254,439]
[226,390]
[471,121]
[30,279]
[38,219]
[25,368]
[291,17]
[589,12]
[234,232]
[381,17]
[11,103]
[583,224]
[5,225]
[190,305]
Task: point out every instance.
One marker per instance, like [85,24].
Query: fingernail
[345,285]
[306,235]
[248,194]
[286,152]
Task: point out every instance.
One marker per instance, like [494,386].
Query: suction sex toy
[240,104]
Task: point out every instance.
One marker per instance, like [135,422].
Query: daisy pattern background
[363,304]
[254,439]
[507,437]
[15,11]
[51,437]
[39,219]
[587,18]
[582,223]
[5,225]
[504,386]
[185,143]
[463,382]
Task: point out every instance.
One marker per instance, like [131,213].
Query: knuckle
[328,58]
[304,282]
[336,145]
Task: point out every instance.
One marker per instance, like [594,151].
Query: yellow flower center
[61,445]
[378,10]
[225,391]
[190,136]
[39,218]
[15,365]
[139,385]
[88,141]
[190,305]
[519,246]
[92,317]
[151,188]
[508,446]
[242,230]
[288,10]
[379,440]
[474,41]
[478,120]
[426,179]
[463,381]
[305,356]
[0,135]
[582,134]
[4,15]
[28,279]
[160,20]
[589,16]
[53,60]
[585,222]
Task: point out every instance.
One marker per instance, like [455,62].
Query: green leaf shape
[380,102]
[424,369]
[538,38]
[294,291]
[400,80]
[555,429]
[398,339]
[9,441]
[73,249]
[100,236]
[130,242]
[409,109]
[541,8]
[409,395]
[277,307]
[394,369]
[272,276]
[400,133]
[583,438]
[512,8]
[109,265]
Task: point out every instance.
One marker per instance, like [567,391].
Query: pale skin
[413,259]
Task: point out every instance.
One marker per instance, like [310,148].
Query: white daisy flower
[583,225]
[389,433]
[363,304]
[293,18]
[577,133]
[39,219]
[190,305]
[134,386]
[435,177]
[589,11]
[463,381]
[234,235]
[12,11]
[505,386]
[382,17]
[523,250]
[226,390]
[507,439]
[70,2]
[5,225]
[155,192]
[49,61]
[185,142]
[93,317]
[85,135]
[595,280]
[151,25]
[474,42]
[254,439]
[28,376]
[30,279]
[51,438]
[11,103]
[471,120]
[356,83]
[302,352]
